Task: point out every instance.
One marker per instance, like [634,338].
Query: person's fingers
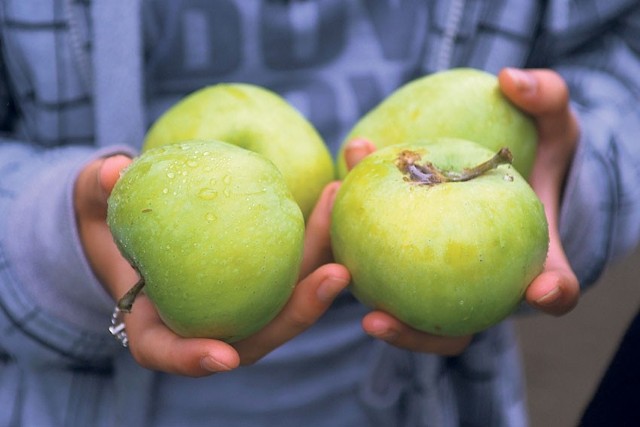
[356,150]
[310,299]
[544,95]
[154,346]
[387,328]
[554,292]
[317,246]
[557,290]
[111,169]
[90,200]
[94,184]
[317,241]
[92,189]
[539,92]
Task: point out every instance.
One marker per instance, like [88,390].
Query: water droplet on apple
[207,194]
[165,190]
[192,163]
[170,175]
[227,179]
[210,216]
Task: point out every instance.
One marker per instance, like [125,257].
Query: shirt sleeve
[50,300]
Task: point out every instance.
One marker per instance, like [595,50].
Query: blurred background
[565,357]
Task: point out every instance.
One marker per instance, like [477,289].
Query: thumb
[317,241]
[94,184]
[92,189]
[356,150]
[110,171]
[536,91]
[544,95]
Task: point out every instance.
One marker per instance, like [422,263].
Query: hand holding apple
[223,176]
[441,233]
[544,95]
[151,342]
[215,234]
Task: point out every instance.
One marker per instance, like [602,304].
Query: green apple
[462,103]
[214,233]
[446,236]
[259,120]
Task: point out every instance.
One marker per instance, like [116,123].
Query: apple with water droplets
[443,234]
[259,120]
[215,234]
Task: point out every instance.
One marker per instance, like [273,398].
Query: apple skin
[463,103]
[450,259]
[215,233]
[259,120]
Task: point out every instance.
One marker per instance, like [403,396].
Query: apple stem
[126,302]
[430,174]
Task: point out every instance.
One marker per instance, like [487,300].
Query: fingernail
[550,298]
[330,288]
[356,150]
[524,81]
[213,365]
[358,144]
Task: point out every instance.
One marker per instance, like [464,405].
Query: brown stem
[430,174]
[126,302]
